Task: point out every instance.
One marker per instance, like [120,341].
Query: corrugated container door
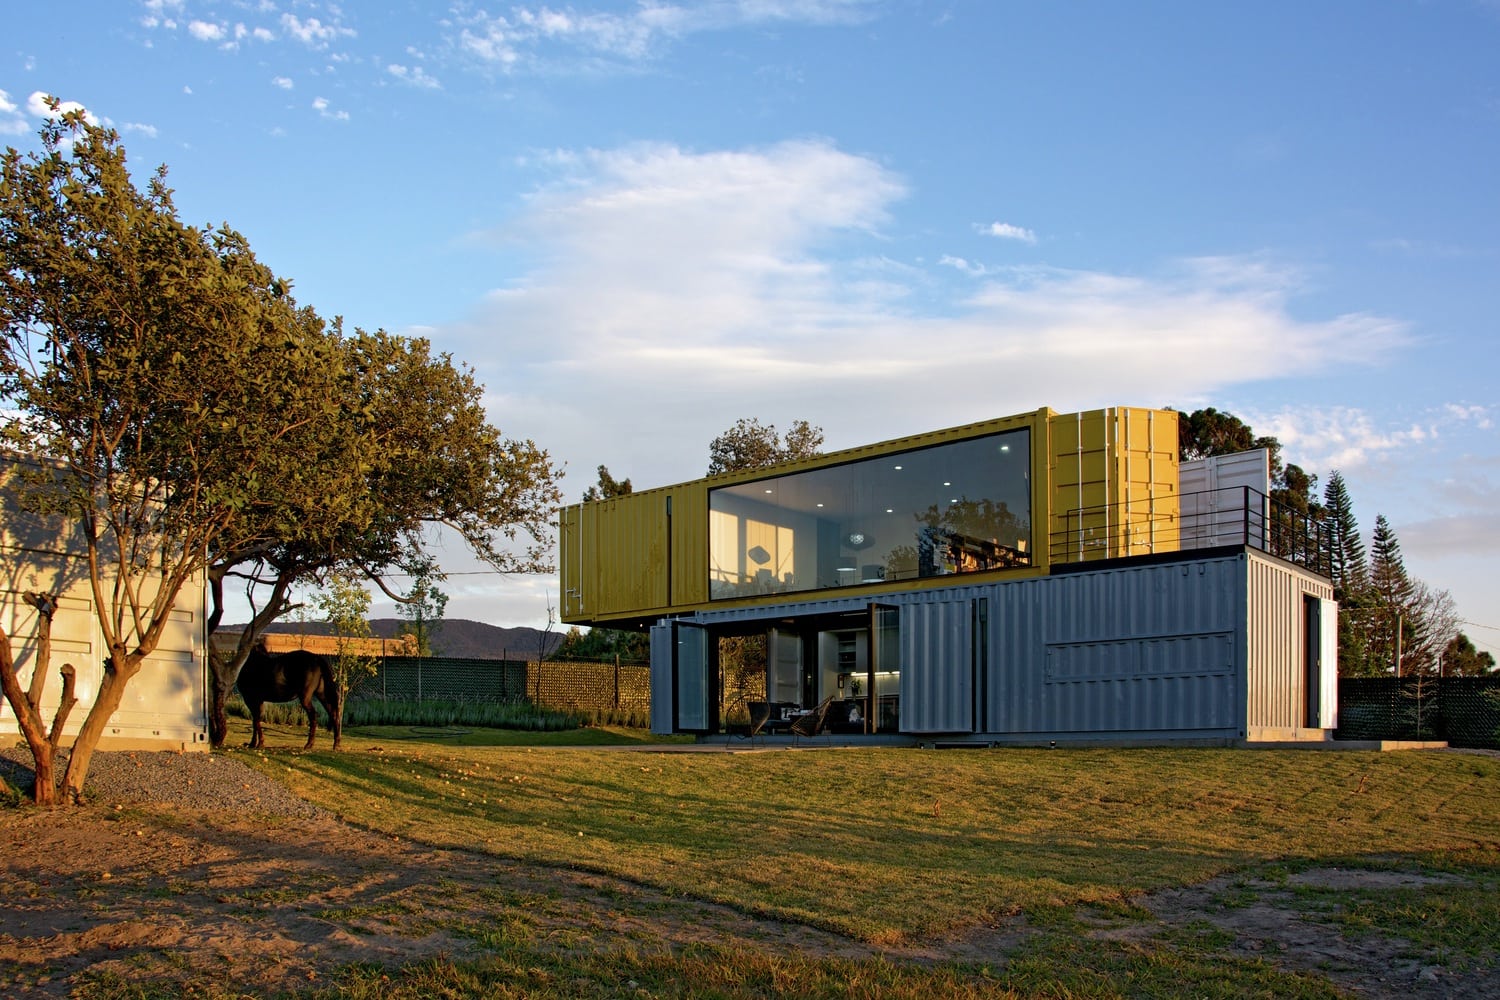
[937,676]
[690,645]
[680,685]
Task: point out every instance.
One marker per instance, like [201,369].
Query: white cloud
[413,75]
[206,31]
[313,32]
[137,128]
[12,122]
[1006,231]
[963,266]
[1478,415]
[527,31]
[161,14]
[37,106]
[1343,438]
[673,292]
[285,83]
[322,107]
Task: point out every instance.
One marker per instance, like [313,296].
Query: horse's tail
[331,684]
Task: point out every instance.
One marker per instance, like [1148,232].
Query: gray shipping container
[1220,646]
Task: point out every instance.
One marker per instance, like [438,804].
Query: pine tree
[1396,627]
[1462,659]
[1346,550]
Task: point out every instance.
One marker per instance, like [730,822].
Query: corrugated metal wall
[663,693]
[937,666]
[1117,466]
[1132,649]
[1215,492]
[1276,688]
[1155,649]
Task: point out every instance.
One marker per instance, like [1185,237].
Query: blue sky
[641,221]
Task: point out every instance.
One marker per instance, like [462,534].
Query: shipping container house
[165,705]
[1034,578]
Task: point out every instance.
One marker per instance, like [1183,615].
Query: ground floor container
[1218,646]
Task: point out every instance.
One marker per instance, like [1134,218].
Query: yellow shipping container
[1004,496]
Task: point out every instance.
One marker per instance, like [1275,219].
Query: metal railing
[1235,515]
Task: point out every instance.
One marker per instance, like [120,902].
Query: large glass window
[953,508]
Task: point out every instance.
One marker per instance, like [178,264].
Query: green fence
[567,685]
[1465,711]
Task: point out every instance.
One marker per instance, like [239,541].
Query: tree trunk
[45,791]
[65,706]
[218,716]
[30,721]
[111,693]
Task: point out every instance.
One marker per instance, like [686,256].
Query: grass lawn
[897,846]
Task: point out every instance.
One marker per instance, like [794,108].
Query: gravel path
[184,780]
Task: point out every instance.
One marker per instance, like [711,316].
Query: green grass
[1038,856]
[459,736]
[1001,832]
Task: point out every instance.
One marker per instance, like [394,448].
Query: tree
[1344,559]
[1436,623]
[608,487]
[1413,622]
[603,644]
[1208,432]
[146,367]
[210,425]
[27,703]
[423,604]
[1462,659]
[345,605]
[1346,550]
[749,444]
[407,446]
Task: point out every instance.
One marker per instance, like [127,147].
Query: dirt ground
[167,895]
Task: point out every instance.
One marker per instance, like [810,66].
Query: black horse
[296,676]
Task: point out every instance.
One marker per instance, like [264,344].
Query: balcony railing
[1210,519]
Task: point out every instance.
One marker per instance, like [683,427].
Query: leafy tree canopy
[608,487]
[749,444]
[603,644]
[1461,658]
[208,423]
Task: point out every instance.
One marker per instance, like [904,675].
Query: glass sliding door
[692,678]
[884,682]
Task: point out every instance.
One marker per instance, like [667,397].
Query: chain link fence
[1465,711]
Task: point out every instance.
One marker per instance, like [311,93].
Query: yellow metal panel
[1113,483]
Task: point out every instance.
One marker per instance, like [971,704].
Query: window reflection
[956,508]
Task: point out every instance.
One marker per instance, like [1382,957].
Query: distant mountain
[453,637]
